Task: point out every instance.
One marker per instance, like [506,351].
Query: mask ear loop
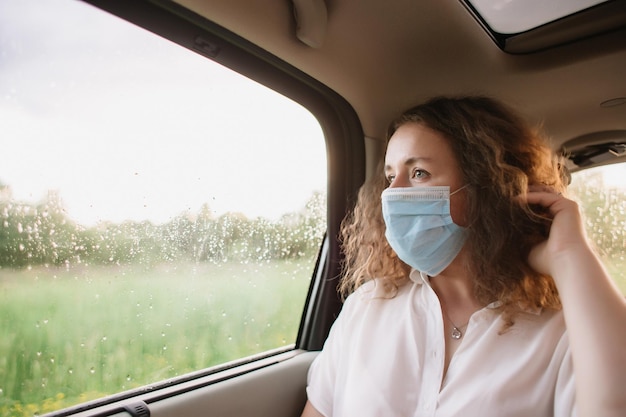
[454,192]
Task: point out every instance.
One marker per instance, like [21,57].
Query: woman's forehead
[414,141]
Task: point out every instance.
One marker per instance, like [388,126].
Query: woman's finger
[545,199]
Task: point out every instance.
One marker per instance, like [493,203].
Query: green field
[71,335]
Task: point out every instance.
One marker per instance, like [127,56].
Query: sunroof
[515,16]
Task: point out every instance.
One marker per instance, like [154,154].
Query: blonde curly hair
[499,156]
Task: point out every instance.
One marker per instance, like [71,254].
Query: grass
[71,335]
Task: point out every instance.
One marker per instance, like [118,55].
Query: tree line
[43,234]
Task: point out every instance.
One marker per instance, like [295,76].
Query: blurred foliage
[604,210]
[43,234]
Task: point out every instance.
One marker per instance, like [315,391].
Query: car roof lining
[387,46]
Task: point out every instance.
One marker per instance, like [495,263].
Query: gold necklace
[457,332]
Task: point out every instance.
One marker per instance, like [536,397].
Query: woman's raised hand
[567,235]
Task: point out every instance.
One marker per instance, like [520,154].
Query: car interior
[355,65]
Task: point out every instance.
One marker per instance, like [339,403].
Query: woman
[485,297]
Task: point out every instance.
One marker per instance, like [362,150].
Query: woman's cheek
[458,211]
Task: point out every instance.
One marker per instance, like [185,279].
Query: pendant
[456,333]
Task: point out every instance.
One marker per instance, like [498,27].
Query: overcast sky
[126,125]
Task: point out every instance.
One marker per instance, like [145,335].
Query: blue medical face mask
[420,228]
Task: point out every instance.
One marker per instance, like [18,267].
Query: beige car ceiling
[384,56]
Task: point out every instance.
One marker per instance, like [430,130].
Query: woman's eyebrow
[411,161]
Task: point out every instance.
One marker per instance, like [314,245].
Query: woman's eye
[390,178]
[420,174]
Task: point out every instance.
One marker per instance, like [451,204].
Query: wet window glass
[601,193]
[159,214]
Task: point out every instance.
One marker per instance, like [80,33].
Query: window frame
[338,120]
[345,151]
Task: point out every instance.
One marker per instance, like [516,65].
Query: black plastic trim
[137,409]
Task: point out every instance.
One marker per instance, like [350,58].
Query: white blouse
[385,357]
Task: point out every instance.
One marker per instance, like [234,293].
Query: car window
[159,214]
[601,192]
